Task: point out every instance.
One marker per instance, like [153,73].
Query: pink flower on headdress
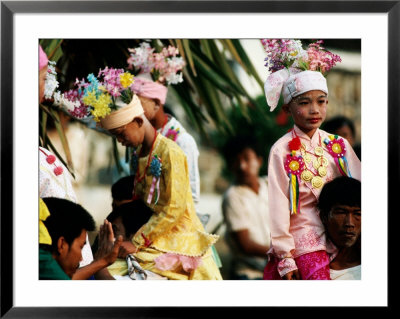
[319,59]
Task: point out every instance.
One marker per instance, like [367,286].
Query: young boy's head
[305,97]
[243,158]
[127,123]
[127,218]
[67,225]
[340,210]
[152,95]
[131,134]
[121,191]
[308,110]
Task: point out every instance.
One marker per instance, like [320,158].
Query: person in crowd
[126,220]
[300,163]
[121,191]
[56,181]
[173,243]
[43,66]
[62,236]
[152,95]
[339,205]
[344,127]
[245,210]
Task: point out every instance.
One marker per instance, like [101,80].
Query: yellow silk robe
[174,227]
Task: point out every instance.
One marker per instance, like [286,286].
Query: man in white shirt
[245,209]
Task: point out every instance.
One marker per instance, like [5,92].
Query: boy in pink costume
[300,162]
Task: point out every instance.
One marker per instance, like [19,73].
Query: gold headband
[123,116]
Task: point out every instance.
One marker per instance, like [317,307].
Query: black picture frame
[9,8]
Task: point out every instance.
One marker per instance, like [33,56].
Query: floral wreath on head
[286,58]
[164,66]
[289,53]
[97,96]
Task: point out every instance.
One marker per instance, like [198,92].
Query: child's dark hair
[236,144]
[123,188]
[134,215]
[337,122]
[67,219]
[342,190]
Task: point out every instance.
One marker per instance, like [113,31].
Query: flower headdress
[286,60]
[164,66]
[287,53]
[98,96]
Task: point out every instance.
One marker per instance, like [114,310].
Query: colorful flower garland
[337,149]
[294,166]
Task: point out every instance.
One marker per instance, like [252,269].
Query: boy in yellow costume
[173,243]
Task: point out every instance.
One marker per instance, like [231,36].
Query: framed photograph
[23,23]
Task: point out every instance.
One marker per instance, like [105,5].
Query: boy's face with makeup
[308,110]
[131,134]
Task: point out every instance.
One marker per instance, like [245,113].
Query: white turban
[124,115]
[292,83]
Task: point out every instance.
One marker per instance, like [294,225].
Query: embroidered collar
[314,140]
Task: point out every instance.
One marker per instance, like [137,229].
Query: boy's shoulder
[282,143]
[184,138]
[324,133]
[168,146]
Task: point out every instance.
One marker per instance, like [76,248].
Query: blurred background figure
[245,210]
[344,127]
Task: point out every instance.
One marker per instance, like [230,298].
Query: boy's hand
[293,275]
[126,248]
[108,247]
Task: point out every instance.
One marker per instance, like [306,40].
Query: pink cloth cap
[291,83]
[149,89]
[43,60]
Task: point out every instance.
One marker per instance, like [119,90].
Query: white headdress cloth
[292,83]
[124,115]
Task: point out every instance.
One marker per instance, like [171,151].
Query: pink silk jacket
[301,233]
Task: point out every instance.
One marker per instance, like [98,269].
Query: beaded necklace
[320,164]
[138,178]
[298,166]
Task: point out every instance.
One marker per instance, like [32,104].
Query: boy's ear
[62,245]
[285,108]
[260,160]
[157,105]
[139,121]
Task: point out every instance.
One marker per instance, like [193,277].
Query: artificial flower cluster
[282,53]
[98,95]
[319,59]
[164,65]
[285,53]
[51,82]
